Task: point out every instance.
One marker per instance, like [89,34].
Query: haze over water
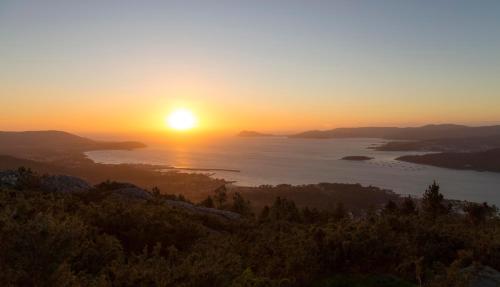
[275,160]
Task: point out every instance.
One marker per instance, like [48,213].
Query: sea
[253,161]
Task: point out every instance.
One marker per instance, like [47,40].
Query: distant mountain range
[426,132]
[409,133]
[460,147]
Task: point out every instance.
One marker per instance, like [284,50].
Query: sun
[181,120]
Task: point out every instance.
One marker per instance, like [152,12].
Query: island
[357,158]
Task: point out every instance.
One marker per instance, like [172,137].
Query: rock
[63,183]
[71,184]
[26,179]
[483,276]
[124,190]
[132,192]
[203,210]
[9,178]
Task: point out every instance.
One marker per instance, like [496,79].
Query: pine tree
[339,212]
[208,202]
[390,208]
[408,206]
[432,201]
[241,205]
[220,197]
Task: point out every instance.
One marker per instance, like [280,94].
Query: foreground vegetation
[94,238]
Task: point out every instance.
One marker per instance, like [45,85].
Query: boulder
[63,183]
[203,210]
[9,178]
[124,190]
[26,179]
[482,276]
[132,192]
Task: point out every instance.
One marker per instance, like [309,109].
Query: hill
[105,235]
[196,186]
[322,196]
[191,185]
[54,145]
[469,144]
[480,161]
[409,133]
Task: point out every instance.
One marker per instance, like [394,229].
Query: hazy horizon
[167,135]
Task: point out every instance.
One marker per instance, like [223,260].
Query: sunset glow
[125,72]
[181,120]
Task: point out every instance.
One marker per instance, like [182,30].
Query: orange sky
[143,108]
[100,68]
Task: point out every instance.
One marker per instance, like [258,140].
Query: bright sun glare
[181,120]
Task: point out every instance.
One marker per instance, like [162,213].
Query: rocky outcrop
[132,192]
[129,191]
[63,183]
[8,178]
[482,276]
[203,210]
[26,179]
[124,189]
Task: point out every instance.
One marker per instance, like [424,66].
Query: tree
[339,212]
[220,197]
[408,206]
[432,201]
[479,213]
[156,191]
[26,179]
[208,202]
[241,205]
[284,209]
[311,215]
[264,214]
[249,279]
[390,208]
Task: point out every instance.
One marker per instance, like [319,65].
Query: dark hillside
[94,238]
[481,161]
[444,144]
[410,133]
[193,186]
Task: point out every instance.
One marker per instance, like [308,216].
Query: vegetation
[90,239]
[324,196]
[194,186]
